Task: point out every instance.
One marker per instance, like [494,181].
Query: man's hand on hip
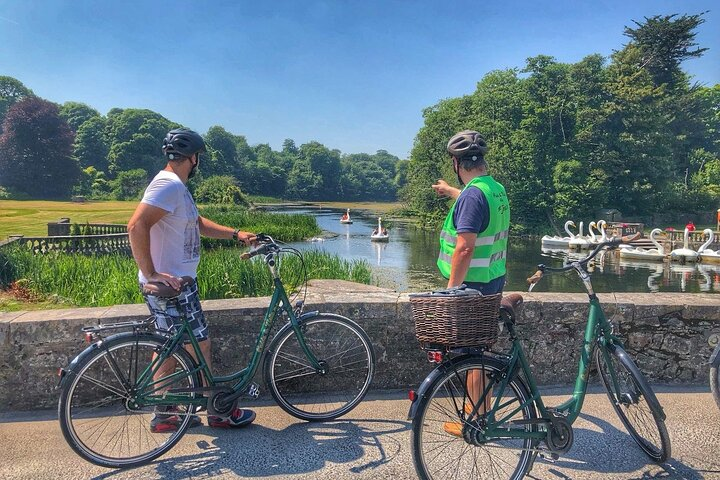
[166,279]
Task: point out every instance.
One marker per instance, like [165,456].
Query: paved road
[373,442]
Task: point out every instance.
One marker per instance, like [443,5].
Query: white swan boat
[707,255]
[655,254]
[380,234]
[346,217]
[579,242]
[557,241]
[684,254]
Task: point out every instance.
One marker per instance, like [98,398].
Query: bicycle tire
[337,342]
[440,408]
[105,420]
[715,376]
[633,403]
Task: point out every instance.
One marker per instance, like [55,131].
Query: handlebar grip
[245,256]
[536,277]
[630,238]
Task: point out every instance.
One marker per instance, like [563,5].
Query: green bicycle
[500,433]
[317,367]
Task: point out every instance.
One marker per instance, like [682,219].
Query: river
[407,261]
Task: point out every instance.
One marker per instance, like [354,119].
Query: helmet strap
[456,167]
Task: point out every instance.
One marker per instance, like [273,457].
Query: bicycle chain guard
[560,435]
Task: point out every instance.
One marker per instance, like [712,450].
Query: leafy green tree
[130,184]
[76,113]
[135,140]
[11,91]
[222,152]
[578,193]
[304,183]
[91,144]
[36,150]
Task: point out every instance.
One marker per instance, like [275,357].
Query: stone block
[51,326]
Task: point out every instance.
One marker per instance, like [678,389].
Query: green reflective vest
[488,260]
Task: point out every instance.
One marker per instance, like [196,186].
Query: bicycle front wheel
[634,401]
[449,441]
[98,417]
[347,362]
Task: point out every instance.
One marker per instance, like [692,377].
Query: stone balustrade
[671,335]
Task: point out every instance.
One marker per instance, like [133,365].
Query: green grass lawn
[30,218]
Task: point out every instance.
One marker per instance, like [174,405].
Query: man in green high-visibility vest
[473,240]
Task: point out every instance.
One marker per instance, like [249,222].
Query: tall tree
[76,113]
[664,42]
[91,144]
[36,150]
[11,91]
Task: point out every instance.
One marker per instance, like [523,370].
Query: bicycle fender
[715,357]
[70,370]
[429,381]
[623,356]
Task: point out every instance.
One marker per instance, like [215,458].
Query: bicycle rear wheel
[348,363]
[96,411]
[634,401]
[440,451]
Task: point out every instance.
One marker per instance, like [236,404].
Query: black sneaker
[169,420]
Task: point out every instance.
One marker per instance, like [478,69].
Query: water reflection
[407,261]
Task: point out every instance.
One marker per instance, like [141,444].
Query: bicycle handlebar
[267,245]
[613,242]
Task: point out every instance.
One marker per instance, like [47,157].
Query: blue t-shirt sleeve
[472,212]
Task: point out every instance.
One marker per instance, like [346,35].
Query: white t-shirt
[175,239]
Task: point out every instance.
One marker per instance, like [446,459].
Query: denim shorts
[167,316]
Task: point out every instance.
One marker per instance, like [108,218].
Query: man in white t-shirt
[165,235]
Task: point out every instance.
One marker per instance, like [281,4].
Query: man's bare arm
[462,256]
[208,228]
[139,226]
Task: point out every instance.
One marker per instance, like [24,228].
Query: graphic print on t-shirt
[191,247]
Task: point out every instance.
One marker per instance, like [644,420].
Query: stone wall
[670,335]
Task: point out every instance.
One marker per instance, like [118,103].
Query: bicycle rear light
[434,356]
[412,395]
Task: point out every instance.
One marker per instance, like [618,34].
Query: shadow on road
[300,448]
[613,451]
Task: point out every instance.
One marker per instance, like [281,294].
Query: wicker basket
[456,317]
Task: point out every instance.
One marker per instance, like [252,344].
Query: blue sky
[354,75]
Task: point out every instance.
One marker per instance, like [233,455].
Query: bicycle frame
[149,388]
[597,331]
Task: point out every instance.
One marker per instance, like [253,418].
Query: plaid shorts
[167,316]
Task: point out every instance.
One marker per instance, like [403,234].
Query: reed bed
[112,279]
[281,226]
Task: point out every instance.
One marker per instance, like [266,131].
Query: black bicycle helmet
[182,142]
[467,142]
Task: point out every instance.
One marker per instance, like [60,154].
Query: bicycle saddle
[510,302]
[158,289]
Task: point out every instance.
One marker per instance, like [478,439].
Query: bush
[220,189]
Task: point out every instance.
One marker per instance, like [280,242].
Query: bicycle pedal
[253,390]
[549,457]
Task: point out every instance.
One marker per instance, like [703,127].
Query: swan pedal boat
[655,254]
[548,241]
[379,236]
[707,255]
[684,254]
